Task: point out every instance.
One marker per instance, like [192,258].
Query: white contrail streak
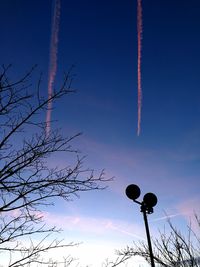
[166,217]
[139,38]
[52,62]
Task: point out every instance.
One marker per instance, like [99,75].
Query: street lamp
[149,201]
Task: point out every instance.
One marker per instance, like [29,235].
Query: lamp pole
[149,201]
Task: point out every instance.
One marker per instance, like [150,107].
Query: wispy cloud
[97,226]
[189,206]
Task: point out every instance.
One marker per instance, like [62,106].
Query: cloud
[154,170]
[92,225]
[189,207]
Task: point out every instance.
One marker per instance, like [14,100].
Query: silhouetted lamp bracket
[149,199]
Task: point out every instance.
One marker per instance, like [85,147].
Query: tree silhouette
[27,181]
[173,249]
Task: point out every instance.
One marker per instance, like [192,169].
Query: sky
[100,39]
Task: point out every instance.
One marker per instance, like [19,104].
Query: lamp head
[150,200]
[133,191]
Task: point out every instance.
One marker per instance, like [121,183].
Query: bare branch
[27,179]
[170,250]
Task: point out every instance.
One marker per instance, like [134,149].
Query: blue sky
[100,38]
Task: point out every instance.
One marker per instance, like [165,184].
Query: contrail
[167,217]
[52,62]
[139,38]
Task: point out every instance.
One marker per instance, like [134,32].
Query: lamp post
[149,201]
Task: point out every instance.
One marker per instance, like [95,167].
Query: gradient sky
[100,38]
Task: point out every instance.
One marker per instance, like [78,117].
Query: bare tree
[27,180]
[121,260]
[173,249]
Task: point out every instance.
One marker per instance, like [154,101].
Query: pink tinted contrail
[139,39]
[52,62]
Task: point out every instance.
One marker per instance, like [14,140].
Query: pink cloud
[97,226]
[189,206]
